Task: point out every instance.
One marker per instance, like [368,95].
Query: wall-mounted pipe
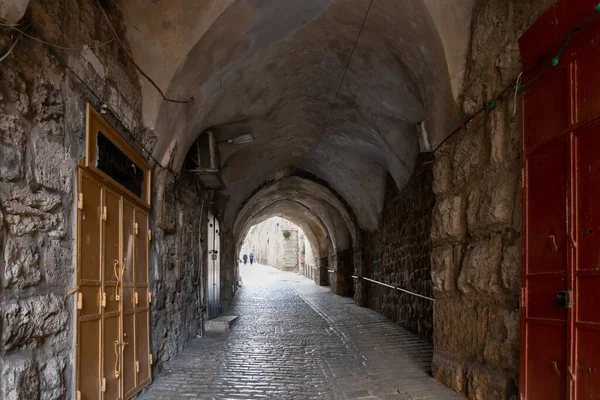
[395,287]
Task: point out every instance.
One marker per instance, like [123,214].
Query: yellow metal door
[142,303]
[113,298]
[111,294]
[128,338]
[89,282]
[112,334]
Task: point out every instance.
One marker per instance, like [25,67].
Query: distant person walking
[245,257]
[251,258]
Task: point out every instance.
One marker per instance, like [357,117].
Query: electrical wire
[86,47]
[4,23]
[337,93]
[517,92]
[566,40]
[64,64]
[11,48]
[116,36]
[62,61]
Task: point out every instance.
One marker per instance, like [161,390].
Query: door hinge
[104,213]
[149,297]
[149,235]
[79,300]
[135,228]
[78,395]
[150,359]
[80,202]
[135,297]
[137,366]
[523,297]
[103,386]
[103,300]
[522,178]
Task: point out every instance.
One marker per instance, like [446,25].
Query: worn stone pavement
[296,340]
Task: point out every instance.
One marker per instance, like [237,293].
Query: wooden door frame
[96,123]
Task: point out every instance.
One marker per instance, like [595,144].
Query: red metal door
[545,358]
[546,273]
[560,336]
[587,271]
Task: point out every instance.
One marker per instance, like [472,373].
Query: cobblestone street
[296,340]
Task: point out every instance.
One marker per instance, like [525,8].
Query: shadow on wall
[399,253]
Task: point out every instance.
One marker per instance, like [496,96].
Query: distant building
[279,243]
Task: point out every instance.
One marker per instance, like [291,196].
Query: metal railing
[395,287]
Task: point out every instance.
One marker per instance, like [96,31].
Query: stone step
[219,324]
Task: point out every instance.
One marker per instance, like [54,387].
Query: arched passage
[347,106]
[278,78]
[315,208]
[337,96]
[320,244]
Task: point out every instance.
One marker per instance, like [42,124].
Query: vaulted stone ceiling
[272,68]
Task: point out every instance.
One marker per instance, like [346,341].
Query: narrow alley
[393,199]
[296,340]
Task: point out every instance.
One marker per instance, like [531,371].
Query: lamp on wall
[241,139]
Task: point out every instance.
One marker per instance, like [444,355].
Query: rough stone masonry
[462,212]
[42,138]
[476,219]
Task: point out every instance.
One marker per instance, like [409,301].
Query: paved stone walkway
[296,340]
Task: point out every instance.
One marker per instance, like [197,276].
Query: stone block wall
[477,217]
[286,257]
[42,138]
[229,268]
[177,264]
[269,247]
[283,253]
[399,253]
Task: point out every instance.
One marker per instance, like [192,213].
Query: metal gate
[560,329]
[113,352]
[214,271]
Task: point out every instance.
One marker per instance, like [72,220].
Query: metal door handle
[555,367]
[553,242]
[117,373]
[115,264]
